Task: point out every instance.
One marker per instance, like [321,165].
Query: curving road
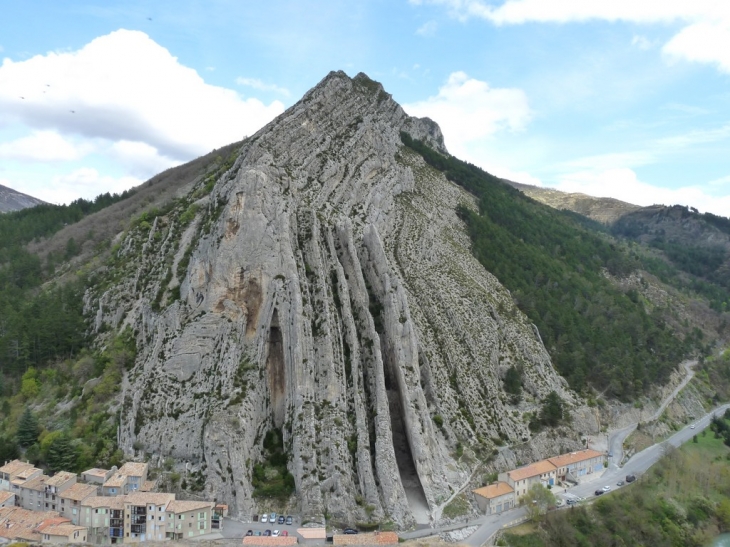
[638,464]
[618,436]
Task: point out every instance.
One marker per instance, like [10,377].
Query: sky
[627,99]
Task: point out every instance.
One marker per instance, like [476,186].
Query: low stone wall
[312,533]
[270,541]
[374,538]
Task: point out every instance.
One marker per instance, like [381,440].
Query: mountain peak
[12,200]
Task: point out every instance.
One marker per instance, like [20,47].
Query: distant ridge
[603,210]
[12,200]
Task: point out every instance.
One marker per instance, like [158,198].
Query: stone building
[495,498]
[523,478]
[573,465]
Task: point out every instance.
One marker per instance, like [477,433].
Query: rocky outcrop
[325,288]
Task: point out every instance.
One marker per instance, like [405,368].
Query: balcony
[139,510]
[138,519]
[139,528]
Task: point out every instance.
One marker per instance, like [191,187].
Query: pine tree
[61,455]
[27,429]
[552,410]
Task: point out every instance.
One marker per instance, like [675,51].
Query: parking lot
[237,529]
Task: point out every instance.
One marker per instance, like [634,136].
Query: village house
[145,516]
[32,494]
[136,474]
[573,465]
[188,519]
[7,499]
[16,472]
[495,498]
[103,516]
[72,498]
[97,476]
[116,485]
[54,486]
[523,478]
[62,533]
[18,524]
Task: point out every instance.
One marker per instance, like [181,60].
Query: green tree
[27,429]
[30,386]
[552,412]
[8,449]
[513,381]
[537,501]
[61,455]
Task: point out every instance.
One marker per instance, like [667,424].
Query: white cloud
[468,109]
[126,103]
[140,159]
[642,42]
[85,182]
[469,113]
[706,39]
[722,181]
[704,42]
[427,29]
[44,146]
[124,86]
[623,184]
[261,86]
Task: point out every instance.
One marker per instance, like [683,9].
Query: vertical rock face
[329,293]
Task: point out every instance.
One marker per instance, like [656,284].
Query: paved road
[618,436]
[637,465]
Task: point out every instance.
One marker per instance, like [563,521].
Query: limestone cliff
[322,284]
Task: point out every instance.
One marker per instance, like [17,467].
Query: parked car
[349,531]
[630,478]
[264,518]
[281,519]
[620,483]
[267,532]
[692,426]
[284,533]
[610,454]
[257,533]
[289,520]
[599,492]
[275,533]
[606,488]
[255,518]
[249,533]
[272,517]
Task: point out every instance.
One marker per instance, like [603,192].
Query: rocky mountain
[12,200]
[310,312]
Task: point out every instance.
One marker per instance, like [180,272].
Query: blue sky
[627,99]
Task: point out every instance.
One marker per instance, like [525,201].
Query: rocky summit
[321,288]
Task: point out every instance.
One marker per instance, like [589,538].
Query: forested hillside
[555,264]
[42,324]
[694,248]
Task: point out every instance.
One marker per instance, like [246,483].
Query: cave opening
[401,441]
[275,371]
